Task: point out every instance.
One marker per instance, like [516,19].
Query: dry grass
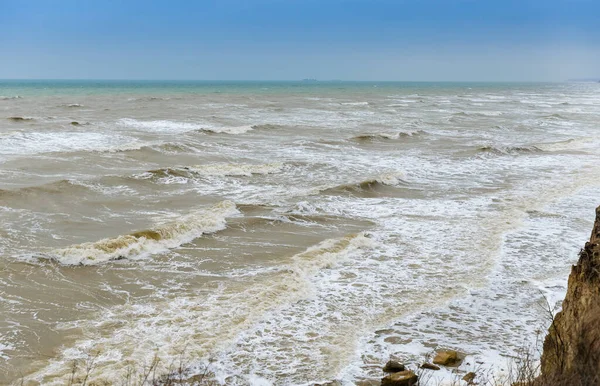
[84,372]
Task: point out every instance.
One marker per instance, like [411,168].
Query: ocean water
[285,233]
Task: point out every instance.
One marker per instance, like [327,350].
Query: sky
[407,40]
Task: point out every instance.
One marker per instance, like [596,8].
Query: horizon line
[306,80]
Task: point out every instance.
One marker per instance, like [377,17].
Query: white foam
[392,178]
[203,324]
[354,103]
[236,169]
[165,126]
[160,125]
[3,348]
[229,130]
[21,143]
[135,246]
[450,263]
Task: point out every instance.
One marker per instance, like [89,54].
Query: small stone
[429,366]
[447,358]
[393,367]
[402,378]
[75,123]
[397,340]
[469,377]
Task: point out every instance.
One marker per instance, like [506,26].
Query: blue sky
[294,39]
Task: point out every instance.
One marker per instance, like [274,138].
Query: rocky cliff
[572,347]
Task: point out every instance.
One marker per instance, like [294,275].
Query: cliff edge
[572,347]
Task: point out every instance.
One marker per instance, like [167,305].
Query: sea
[285,233]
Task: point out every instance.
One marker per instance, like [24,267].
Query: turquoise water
[98,87]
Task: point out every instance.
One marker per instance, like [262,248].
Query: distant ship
[311,80]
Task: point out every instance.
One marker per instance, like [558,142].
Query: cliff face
[572,347]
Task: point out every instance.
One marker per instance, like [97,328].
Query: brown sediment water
[272,232]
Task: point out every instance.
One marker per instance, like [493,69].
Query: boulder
[469,377]
[402,378]
[393,367]
[447,358]
[429,366]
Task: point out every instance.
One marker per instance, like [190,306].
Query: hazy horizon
[351,40]
[304,80]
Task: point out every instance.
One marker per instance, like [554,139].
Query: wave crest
[235,169]
[504,150]
[180,127]
[20,119]
[387,136]
[372,187]
[141,244]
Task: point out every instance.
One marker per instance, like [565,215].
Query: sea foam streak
[19,143]
[180,127]
[387,136]
[235,169]
[144,243]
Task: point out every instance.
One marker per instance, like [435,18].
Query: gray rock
[393,367]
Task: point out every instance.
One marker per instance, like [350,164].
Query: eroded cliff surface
[572,347]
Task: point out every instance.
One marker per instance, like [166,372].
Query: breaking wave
[554,117]
[268,126]
[228,130]
[142,244]
[571,144]
[180,127]
[20,119]
[504,150]
[213,170]
[201,324]
[56,187]
[234,169]
[371,187]
[387,136]
[43,142]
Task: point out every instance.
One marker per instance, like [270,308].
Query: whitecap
[235,169]
[142,244]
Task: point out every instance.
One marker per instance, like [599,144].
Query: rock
[402,378]
[447,358]
[393,367]
[75,123]
[429,366]
[397,340]
[469,377]
[572,347]
[368,382]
